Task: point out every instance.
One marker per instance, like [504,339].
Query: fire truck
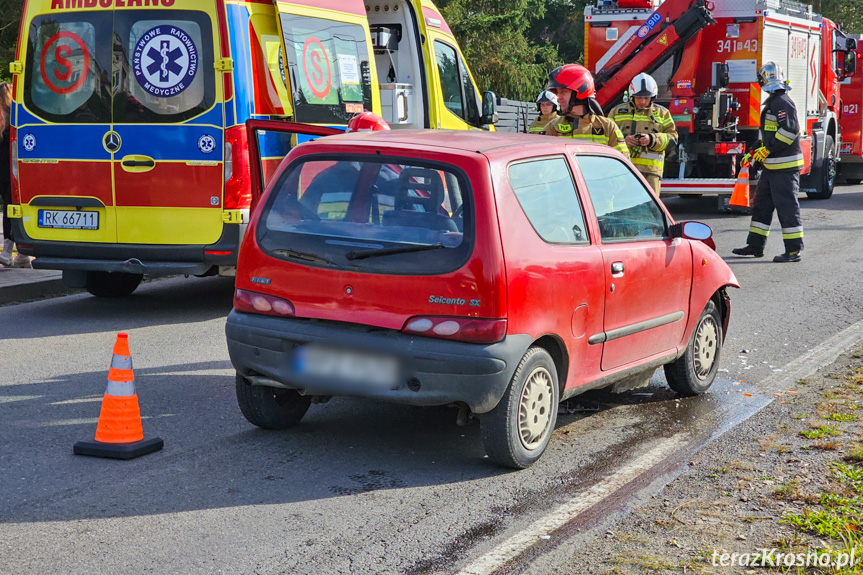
[705,56]
[851,123]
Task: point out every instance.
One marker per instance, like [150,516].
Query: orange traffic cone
[740,195]
[119,433]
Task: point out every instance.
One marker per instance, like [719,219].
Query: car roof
[471,141]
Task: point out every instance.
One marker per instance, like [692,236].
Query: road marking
[807,364]
[518,544]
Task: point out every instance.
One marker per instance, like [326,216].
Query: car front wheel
[693,372]
[270,407]
[516,432]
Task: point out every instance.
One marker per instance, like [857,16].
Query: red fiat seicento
[502,273]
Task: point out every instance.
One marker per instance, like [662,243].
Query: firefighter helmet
[367,122]
[771,77]
[573,77]
[643,86]
[549,98]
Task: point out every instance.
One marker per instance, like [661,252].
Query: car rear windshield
[381,215]
[328,65]
[132,66]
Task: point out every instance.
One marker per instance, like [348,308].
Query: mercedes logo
[112,141]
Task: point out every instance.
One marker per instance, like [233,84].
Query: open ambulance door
[269,142]
[328,60]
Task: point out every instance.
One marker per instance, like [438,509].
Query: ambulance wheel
[825,179]
[693,372]
[516,432]
[112,284]
[270,407]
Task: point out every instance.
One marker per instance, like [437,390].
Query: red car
[499,272]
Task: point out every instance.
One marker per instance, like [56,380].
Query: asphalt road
[357,487]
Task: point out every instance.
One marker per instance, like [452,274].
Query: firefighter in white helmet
[547,106]
[648,128]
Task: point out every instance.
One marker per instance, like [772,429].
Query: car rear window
[132,66]
[328,66]
[380,215]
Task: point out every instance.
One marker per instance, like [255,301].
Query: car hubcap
[534,410]
[706,345]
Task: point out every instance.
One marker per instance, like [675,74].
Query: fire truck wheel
[825,178]
[112,284]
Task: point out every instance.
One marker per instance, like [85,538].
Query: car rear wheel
[112,284]
[270,407]
[693,373]
[516,432]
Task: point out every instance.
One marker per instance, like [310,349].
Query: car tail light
[729,148]
[238,185]
[254,302]
[457,328]
[13,159]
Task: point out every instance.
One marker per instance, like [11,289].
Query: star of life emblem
[29,142]
[207,144]
[165,61]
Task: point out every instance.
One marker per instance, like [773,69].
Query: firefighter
[547,106]
[580,114]
[648,128]
[781,158]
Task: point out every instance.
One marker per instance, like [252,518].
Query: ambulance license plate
[68,220]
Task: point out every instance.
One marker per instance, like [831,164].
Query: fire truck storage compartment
[394,31]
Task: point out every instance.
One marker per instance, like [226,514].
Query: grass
[855,454]
[787,489]
[820,432]
[840,417]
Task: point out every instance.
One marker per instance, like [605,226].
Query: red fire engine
[851,122]
[705,55]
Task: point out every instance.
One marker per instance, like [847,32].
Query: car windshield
[379,215]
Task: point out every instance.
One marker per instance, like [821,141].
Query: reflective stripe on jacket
[540,122]
[655,121]
[780,133]
[589,128]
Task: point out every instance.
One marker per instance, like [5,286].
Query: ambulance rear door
[330,69]
[168,125]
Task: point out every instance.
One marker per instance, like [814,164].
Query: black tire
[825,179]
[693,372]
[112,284]
[516,432]
[270,407]
[853,181]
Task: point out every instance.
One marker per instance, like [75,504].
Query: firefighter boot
[787,257]
[6,254]
[749,250]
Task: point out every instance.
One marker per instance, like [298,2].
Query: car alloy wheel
[535,407]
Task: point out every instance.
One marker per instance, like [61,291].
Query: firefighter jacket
[589,128]
[654,121]
[540,122]
[780,133]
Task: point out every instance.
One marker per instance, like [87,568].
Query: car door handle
[139,163]
[136,164]
[617,268]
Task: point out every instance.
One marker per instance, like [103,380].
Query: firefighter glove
[746,160]
[760,154]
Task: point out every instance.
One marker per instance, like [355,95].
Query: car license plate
[347,366]
[68,220]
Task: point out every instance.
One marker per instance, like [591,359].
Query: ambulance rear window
[69,68]
[329,71]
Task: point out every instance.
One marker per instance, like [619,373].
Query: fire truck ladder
[613,80]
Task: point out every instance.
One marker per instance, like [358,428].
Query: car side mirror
[489,108]
[850,44]
[850,67]
[693,231]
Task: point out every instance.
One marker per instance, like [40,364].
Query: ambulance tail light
[238,188]
[13,158]
[729,148]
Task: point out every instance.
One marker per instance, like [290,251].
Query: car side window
[624,208]
[546,192]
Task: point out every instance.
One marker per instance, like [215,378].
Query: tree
[847,13]
[494,36]
[10,18]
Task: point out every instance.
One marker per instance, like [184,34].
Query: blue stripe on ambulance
[168,142]
[65,142]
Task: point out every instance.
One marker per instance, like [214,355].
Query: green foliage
[502,54]
[847,13]
[10,18]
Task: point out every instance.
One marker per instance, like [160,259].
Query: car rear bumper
[441,371]
[148,259]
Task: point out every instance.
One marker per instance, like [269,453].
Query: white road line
[512,548]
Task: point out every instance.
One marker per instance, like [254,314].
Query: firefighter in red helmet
[367,122]
[581,116]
